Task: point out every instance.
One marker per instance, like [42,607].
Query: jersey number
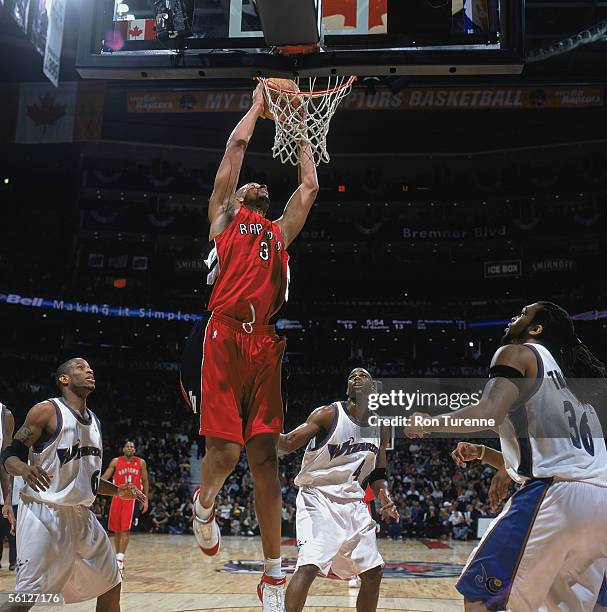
[359,469]
[264,252]
[95,481]
[581,436]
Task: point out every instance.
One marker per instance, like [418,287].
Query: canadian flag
[136,29]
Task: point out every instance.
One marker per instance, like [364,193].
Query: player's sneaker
[271,593]
[120,567]
[207,532]
[354,583]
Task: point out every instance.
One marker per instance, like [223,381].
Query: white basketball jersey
[553,435]
[343,460]
[18,485]
[72,457]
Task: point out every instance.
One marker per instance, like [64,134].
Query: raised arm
[319,421]
[499,395]
[40,423]
[300,203]
[221,202]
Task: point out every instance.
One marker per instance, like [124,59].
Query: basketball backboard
[118,40]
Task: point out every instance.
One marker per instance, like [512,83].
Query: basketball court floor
[169,574]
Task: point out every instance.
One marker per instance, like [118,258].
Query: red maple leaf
[46,112]
[136,31]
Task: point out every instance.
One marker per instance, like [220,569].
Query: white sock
[273,567]
[201,512]
[120,556]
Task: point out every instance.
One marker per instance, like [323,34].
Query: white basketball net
[304,115]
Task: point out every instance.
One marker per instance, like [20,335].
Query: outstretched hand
[129,491]
[500,483]
[259,102]
[388,507]
[464,452]
[416,430]
[7,513]
[37,478]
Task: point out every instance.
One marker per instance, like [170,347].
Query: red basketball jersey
[249,266]
[128,471]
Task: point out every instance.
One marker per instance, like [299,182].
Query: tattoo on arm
[25,435]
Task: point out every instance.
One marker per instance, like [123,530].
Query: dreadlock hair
[573,356]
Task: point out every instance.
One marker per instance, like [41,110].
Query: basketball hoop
[298,49]
[302,113]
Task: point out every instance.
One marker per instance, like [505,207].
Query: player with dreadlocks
[547,550]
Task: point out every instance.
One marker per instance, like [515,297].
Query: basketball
[287,104]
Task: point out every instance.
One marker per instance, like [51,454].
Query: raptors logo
[392,569]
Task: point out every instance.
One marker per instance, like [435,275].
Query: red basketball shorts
[240,376]
[121,515]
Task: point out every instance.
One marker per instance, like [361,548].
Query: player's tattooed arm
[222,205]
[40,423]
[317,424]
[300,203]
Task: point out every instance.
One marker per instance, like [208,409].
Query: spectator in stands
[456,518]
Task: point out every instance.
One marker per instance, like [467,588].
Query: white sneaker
[208,536]
[354,583]
[271,593]
[120,567]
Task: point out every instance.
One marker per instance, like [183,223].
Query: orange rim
[324,92]
[298,49]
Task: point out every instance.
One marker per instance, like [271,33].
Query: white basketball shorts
[63,549]
[335,535]
[546,551]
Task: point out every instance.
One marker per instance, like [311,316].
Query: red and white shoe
[208,536]
[271,593]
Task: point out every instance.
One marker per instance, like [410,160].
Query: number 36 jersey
[249,268]
[72,457]
[553,434]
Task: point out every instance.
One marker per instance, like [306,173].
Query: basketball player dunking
[62,547]
[547,550]
[335,530]
[125,469]
[238,351]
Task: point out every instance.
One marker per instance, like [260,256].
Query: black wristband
[15,449]
[377,474]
